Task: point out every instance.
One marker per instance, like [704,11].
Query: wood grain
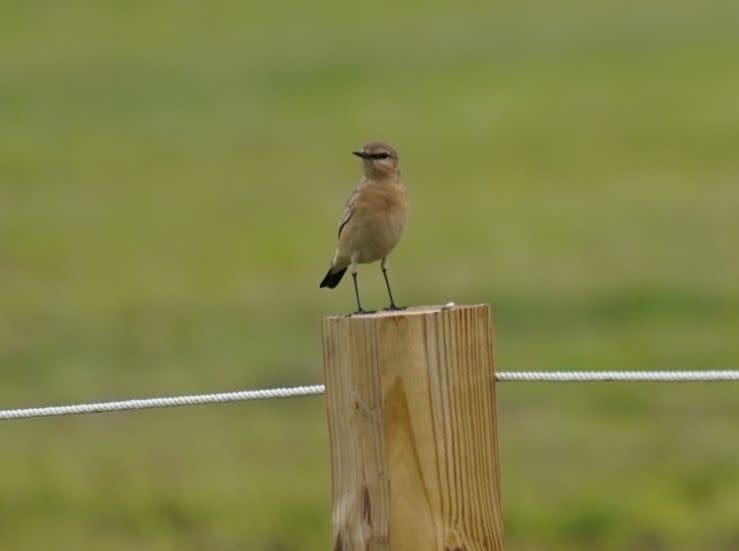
[411,410]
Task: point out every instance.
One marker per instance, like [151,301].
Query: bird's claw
[361,313]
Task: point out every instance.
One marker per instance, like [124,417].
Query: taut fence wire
[314,390]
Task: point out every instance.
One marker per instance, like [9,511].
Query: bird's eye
[381,156]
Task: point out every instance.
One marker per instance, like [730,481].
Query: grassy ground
[170,179]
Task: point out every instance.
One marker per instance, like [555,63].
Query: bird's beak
[361,154]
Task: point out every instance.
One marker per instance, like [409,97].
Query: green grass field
[171,175]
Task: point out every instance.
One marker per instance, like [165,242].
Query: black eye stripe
[378,156]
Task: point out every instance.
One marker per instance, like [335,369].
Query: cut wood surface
[412,422]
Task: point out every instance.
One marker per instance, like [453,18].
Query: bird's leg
[356,290]
[392,306]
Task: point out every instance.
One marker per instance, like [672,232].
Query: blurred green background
[171,176]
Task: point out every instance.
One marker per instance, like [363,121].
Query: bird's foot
[361,313]
[394,308]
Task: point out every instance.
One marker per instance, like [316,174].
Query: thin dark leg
[392,306]
[356,293]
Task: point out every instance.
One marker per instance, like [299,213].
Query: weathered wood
[411,413]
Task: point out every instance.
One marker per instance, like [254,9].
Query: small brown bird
[373,218]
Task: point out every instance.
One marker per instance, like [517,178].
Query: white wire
[617,376]
[314,390]
[193,400]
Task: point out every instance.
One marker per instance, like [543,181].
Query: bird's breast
[377,223]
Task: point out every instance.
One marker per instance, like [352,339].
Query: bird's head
[380,160]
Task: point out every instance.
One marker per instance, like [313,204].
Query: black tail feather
[332,279]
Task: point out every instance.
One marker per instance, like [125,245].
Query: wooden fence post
[411,413]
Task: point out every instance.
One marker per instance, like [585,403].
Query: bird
[373,219]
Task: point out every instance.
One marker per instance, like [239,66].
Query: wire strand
[314,390]
[617,376]
[172,401]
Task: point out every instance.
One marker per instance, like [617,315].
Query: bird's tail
[332,278]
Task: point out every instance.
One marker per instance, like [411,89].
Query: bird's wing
[348,210]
